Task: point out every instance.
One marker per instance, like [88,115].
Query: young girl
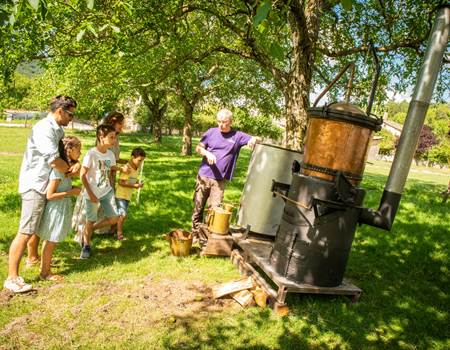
[127,182]
[96,175]
[55,222]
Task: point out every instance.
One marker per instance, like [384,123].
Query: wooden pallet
[253,254]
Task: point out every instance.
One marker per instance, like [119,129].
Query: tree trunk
[187,129]
[304,23]
[157,132]
[156,111]
[296,104]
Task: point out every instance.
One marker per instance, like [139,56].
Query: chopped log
[231,287]
[260,297]
[244,298]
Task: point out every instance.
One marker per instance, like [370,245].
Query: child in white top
[96,175]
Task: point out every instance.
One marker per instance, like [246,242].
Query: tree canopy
[268,56]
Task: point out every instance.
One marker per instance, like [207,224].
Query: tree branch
[245,36]
[412,43]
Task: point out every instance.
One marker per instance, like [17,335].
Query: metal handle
[349,85]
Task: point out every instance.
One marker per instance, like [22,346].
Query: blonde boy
[128,181]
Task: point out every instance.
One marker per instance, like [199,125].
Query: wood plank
[244,298]
[231,287]
[249,270]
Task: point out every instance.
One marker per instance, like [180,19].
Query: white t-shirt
[99,165]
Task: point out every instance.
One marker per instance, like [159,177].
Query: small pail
[219,221]
[180,242]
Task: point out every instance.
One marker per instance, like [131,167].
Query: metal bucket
[259,209]
[219,220]
[180,242]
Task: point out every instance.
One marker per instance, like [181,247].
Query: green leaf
[262,12]
[128,7]
[43,9]
[34,4]
[80,34]
[262,28]
[116,29]
[276,51]
[347,4]
[91,29]
[90,4]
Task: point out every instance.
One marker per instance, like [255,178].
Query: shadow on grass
[404,273]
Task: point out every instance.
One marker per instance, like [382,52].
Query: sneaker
[85,252]
[16,285]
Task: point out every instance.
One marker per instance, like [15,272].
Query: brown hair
[103,130]
[138,152]
[66,144]
[62,101]
[113,118]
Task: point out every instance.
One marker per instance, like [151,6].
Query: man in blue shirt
[41,155]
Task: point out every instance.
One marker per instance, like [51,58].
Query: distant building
[393,127]
[12,114]
[23,115]
[374,148]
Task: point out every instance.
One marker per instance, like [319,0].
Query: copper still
[337,140]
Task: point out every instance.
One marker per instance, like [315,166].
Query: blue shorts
[108,204]
[122,206]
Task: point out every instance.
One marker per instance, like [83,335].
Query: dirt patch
[180,298]
[136,308]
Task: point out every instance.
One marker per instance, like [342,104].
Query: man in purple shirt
[220,149]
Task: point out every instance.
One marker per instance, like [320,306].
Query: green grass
[134,294]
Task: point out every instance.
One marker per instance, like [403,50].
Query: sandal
[32,263]
[52,278]
[120,237]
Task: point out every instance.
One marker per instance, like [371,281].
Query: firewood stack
[244,291]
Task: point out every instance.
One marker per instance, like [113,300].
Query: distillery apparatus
[259,211]
[323,203]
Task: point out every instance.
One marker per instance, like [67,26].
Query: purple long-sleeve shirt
[226,147]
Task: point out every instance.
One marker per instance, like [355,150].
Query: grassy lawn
[134,294]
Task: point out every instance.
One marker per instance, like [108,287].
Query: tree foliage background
[167,61]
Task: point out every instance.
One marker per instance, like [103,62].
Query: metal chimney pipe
[437,42]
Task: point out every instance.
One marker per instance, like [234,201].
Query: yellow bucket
[219,221]
[180,242]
